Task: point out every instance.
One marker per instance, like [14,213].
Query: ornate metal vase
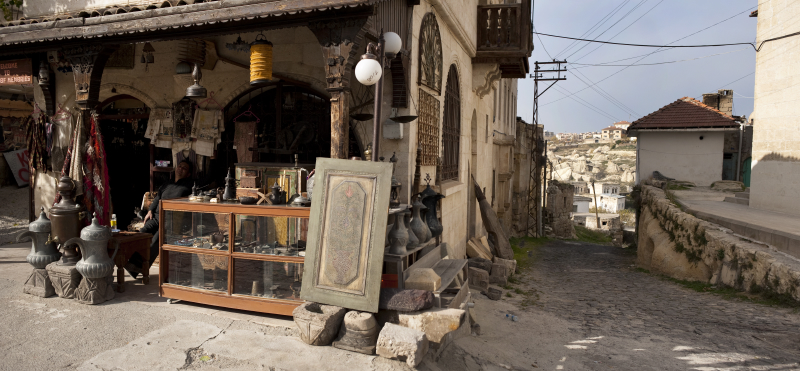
[431,200]
[413,241]
[93,243]
[418,226]
[230,187]
[43,250]
[398,237]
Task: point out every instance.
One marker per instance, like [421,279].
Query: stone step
[736,200]
[742,195]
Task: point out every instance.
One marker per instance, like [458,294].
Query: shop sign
[18,162]
[16,72]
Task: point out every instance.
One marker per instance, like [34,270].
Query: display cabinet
[246,257]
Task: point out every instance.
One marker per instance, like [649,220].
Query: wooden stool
[129,243]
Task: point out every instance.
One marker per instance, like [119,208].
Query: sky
[636,91]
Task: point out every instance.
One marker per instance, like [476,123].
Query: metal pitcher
[43,249]
[93,243]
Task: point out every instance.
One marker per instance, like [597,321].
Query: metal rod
[376,120]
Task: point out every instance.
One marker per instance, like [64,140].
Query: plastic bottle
[114,223]
[512,317]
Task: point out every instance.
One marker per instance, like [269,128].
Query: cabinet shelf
[232,255]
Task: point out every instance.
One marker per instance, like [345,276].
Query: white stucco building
[775,178]
[682,140]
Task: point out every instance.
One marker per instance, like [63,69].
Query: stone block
[358,333]
[65,279]
[493,293]
[318,323]
[510,264]
[423,279]
[480,263]
[478,278]
[498,280]
[39,284]
[405,300]
[402,343]
[499,270]
[93,291]
[392,130]
[476,249]
[435,323]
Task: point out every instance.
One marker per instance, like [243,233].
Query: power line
[648,45]
[598,24]
[647,55]
[621,31]
[650,64]
[584,103]
[610,27]
[606,95]
[726,85]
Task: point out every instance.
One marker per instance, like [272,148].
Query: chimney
[722,100]
[725,101]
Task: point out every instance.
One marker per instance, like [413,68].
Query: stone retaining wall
[679,245]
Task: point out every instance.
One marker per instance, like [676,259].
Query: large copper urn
[66,218]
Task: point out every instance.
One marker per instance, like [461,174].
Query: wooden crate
[250,182]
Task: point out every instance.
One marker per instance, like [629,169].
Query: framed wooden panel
[346,233]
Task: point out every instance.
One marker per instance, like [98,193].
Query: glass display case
[246,257]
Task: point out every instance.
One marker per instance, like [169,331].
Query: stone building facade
[460,84]
[558,207]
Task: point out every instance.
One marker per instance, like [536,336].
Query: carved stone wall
[559,205]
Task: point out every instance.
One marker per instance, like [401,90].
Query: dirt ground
[13,212]
[585,307]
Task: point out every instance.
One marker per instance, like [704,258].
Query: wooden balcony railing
[504,36]
[504,27]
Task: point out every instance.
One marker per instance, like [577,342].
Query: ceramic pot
[413,241]
[418,226]
[43,250]
[398,237]
[431,200]
[93,243]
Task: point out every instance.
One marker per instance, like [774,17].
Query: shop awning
[119,25]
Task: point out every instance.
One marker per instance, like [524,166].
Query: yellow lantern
[260,60]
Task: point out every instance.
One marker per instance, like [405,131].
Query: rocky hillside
[599,161]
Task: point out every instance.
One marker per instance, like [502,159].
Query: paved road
[636,321]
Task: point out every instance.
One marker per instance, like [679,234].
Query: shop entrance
[123,121]
[287,120]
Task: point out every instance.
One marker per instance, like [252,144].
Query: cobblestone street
[634,320]
[586,307]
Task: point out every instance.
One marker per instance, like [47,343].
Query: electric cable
[609,28]
[605,94]
[598,24]
[650,64]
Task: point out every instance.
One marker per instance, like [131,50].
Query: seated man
[180,187]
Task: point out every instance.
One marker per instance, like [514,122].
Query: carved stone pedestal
[359,333]
[39,284]
[65,279]
[95,290]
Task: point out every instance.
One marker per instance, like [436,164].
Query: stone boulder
[435,323]
[510,264]
[612,168]
[478,279]
[480,263]
[402,343]
[358,333]
[599,157]
[318,323]
[579,166]
[405,300]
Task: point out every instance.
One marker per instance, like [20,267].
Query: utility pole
[538,182]
[596,206]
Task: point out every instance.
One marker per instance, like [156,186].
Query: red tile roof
[685,113]
[623,122]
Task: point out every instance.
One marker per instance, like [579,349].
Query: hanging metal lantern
[196,91]
[147,53]
[239,45]
[260,60]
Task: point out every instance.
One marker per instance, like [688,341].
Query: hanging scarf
[97,192]
[36,141]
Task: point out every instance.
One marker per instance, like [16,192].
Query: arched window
[451,126]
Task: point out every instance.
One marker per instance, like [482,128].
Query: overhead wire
[621,31]
[606,94]
[598,24]
[609,27]
[668,45]
[586,65]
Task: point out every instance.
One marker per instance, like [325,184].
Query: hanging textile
[37,142]
[62,127]
[97,192]
[206,130]
[161,123]
[190,155]
[75,169]
[244,139]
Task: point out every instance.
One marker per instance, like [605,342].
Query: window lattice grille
[451,126]
[428,130]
